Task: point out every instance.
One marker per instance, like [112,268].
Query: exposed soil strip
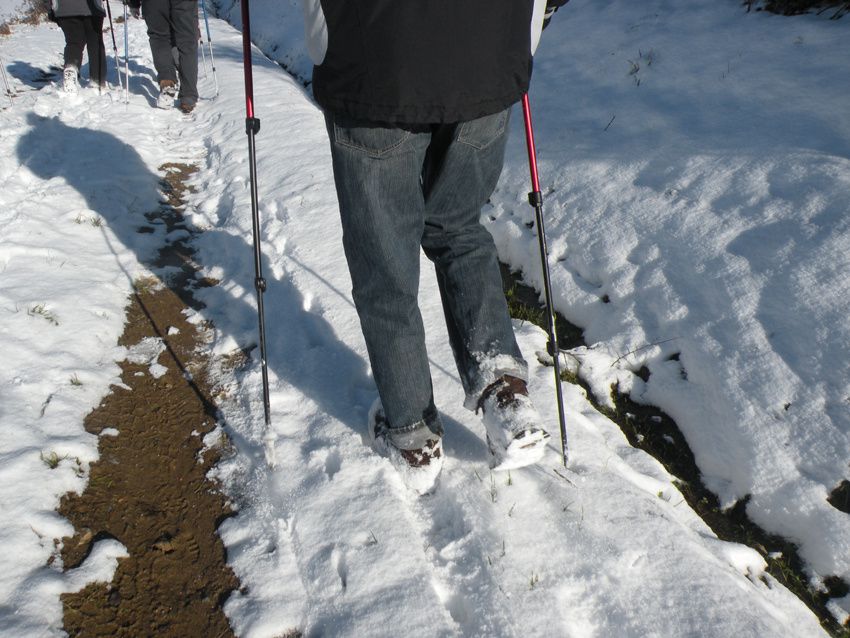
[654,432]
[149,489]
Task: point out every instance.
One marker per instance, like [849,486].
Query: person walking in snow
[173,24]
[81,22]
[417,97]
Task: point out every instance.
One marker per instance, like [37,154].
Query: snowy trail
[540,556]
[329,542]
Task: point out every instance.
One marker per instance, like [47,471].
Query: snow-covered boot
[187,104]
[167,94]
[70,84]
[515,437]
[420,468]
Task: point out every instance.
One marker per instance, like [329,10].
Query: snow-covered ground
[696,163]
[13,9]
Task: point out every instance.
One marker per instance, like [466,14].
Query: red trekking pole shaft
[252,127]
[535,198]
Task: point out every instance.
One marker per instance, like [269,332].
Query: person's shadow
[35,77]
[303,350]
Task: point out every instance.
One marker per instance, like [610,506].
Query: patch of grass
[75,380]
[101,481]
[51,459]
[524,304]
[145,285]
[94,220]
[492,491]
[569,376]
[42,311]
[237,359]
[522,311]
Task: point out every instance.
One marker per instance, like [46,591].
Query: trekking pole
[6,81]
[209,42]
[252,127]
[114,44]
[203,53]
[126,57]
[535,198]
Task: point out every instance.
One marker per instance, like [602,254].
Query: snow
[12,9]
[694,160]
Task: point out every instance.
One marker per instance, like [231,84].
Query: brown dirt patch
[149,489]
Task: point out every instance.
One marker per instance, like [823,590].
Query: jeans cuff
[490,369]
[415,435]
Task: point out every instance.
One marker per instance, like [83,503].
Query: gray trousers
[174,24]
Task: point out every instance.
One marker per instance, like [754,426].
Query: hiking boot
[70,83]
[419,468]
[514,435]
[187,104]
[167,94]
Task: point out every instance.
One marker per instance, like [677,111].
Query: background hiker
[173,24]
[417,100]
[82,23]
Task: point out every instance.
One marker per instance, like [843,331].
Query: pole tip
[269,441]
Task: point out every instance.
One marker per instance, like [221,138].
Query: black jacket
[423,61]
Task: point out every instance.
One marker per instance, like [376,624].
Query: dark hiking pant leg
[157,14]
[184,16]
[95,49]
[75,39]
[459,175]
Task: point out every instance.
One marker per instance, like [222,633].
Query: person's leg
[377,173]
[75,40]
[184,18]
[157,14]
[461,172]
[95,49]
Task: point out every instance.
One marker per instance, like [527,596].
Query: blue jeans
[407,187]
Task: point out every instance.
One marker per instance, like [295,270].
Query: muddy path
[149,488]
